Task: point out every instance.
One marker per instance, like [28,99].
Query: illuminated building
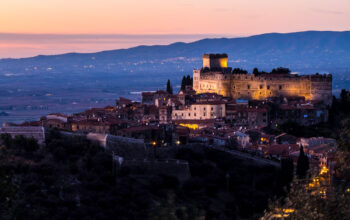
[201,111]
[216,77]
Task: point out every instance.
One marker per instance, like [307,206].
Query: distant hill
[311,50]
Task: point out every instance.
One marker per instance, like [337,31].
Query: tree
[303,164]
[183,83]
[344,135]
[239,71]
[302,204]
[345,101]
[287,172]
[188,80]
[169,88]
[280,70]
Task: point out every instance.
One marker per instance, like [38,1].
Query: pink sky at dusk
[173,20]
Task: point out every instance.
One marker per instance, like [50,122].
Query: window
[280,87]
[204,108]
[212,108]
[204,114]
[248,86]
[195,108]
[189,114]
[212,114]
[261,86]
[195,114]
[268,87]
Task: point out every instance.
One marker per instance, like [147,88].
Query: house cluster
[164,119]
[213,115]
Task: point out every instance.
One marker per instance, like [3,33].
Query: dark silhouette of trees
[73,178]
[280,70]
[186,81]
[302,165]
[344,135]
[239,71]
[169,88]
[183,83]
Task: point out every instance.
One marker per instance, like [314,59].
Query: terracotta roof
[209,103]
[59,114]
[140,128]
[282,149]
[124,100]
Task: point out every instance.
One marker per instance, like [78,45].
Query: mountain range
[310,51]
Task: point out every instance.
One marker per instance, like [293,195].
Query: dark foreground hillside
[72,178]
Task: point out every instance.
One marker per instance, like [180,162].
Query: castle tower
[215,61]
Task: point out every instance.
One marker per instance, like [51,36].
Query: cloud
[323,11]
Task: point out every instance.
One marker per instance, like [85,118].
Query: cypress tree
[169,88]
[183,83]
[188,80]
[303,164]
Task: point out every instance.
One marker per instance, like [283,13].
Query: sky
[31,27]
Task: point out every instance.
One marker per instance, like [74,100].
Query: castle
[216,77]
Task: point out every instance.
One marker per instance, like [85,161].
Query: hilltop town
[226,132]
[218,106]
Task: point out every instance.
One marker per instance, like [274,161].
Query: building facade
[200,111]
[216,77]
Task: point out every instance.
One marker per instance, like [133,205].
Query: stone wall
[177,168]
[249,86]
[38,133]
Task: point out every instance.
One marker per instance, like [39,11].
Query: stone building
[216,77]
[201,111]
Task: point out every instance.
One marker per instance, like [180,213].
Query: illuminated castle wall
[215,77]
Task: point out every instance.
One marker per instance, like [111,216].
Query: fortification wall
[127,148]
[249,86]
[178,168]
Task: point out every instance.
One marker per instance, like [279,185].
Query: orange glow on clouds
[220,18]
[172,16]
